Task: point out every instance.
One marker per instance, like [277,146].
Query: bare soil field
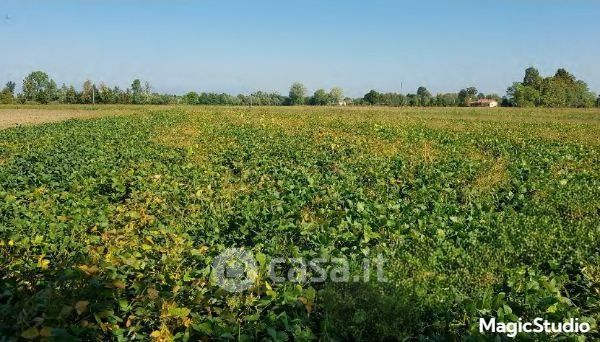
[31,115]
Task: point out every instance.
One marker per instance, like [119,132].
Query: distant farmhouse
[484,103]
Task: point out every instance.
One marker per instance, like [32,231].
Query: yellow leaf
[130,320]
[119,284]
[30,333]
[152,293]
[89,270]
[43,263]
[81,306]
[46,332]
[308,304]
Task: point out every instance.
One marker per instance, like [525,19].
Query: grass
[109,225]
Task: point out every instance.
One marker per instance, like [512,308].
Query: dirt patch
[14,117]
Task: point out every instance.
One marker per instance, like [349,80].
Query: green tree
[372,97]
[523,96]
[465,96]
[190,98]
[10,86]
[7,96]
[106,94]
[39,87]
[62,94]
[297,94]
[71,95]
[320,98]
[560,90]
[137,91]
[532,78]
[87,92]
[471,92]
[598,101]
[147,92]
[336,95]
[564,75]
[424,96]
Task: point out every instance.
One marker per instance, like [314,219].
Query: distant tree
[424,96]
[52,92]
[61,94]
[7,95]
[190,98]
[445,100]
[39,87]
[320,98]
[463,97]
[71,95]
[560,90]
[297,94]
[390,99]
[137,91]
[261,98]
[336,95]
[87,92]
[598,101]
[10,86]
[532,78]
[522,96]
[412,100]
[471,92]
[495,97]
[105,94]
[372,97]
[147,91]
[563,74]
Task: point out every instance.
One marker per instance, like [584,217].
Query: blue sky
[243,46]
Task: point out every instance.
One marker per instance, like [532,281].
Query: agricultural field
[109,225]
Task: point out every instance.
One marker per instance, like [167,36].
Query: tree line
[559,90]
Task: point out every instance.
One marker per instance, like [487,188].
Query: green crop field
[109,226]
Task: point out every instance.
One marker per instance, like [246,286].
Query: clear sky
[243,46]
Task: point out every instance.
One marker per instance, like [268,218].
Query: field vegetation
[109,225]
